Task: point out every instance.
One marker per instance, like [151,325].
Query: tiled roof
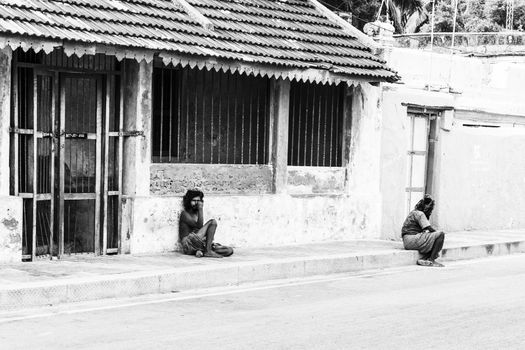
[290,34]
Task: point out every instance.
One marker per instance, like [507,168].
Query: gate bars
[34,142]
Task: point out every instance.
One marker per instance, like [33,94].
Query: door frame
[432,117]
[110,100]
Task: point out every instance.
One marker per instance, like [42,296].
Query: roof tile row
[277,32]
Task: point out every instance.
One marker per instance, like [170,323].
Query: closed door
[67,151]
[80,165]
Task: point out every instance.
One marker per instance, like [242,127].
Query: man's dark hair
[426,205]
[190,194]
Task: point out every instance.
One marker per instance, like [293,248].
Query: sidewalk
[81,278]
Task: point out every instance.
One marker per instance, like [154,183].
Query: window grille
[315,125]
[202,116]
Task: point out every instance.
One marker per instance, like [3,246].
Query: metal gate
[66,156]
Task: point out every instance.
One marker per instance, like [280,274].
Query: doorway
[66,155]
[422,136]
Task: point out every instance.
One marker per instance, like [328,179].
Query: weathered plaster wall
[255,205]
[10,229]
[251,221]
[477,174]
[394,138]
[492,84]
[5,110]
[481,184]
[137,117]
[364,163]
[170,179]
[315,180]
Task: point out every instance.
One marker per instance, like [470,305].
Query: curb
[173,280]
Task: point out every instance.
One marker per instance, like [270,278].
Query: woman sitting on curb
[419,235]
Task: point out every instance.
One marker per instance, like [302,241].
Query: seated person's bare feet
[199,253]
[212,254]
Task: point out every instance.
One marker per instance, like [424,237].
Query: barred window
[315,125]
[202,116]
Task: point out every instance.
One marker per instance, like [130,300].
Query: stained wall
[10,229]
[263,205]
[478,176]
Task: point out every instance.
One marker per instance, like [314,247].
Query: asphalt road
[467,305]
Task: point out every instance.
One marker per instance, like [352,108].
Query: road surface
[477,304]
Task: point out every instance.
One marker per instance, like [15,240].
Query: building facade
[110,111]
[455,128]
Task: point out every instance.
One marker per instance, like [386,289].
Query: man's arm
[191,221]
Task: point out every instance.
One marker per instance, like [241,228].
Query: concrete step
[42,283]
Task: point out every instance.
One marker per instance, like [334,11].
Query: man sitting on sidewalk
[196,238]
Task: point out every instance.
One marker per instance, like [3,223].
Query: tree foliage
[415,15]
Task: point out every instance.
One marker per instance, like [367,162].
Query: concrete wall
[250,221]
[265,205]
[5,112]
[491,84]
[10,229]
[478,176]
[10,207]
[481,184]
[395,133]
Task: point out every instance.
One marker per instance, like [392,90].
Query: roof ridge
[347,27]
[195,14]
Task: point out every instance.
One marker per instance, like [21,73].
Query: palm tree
[408,15]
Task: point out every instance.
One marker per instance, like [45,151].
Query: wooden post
[279,115]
